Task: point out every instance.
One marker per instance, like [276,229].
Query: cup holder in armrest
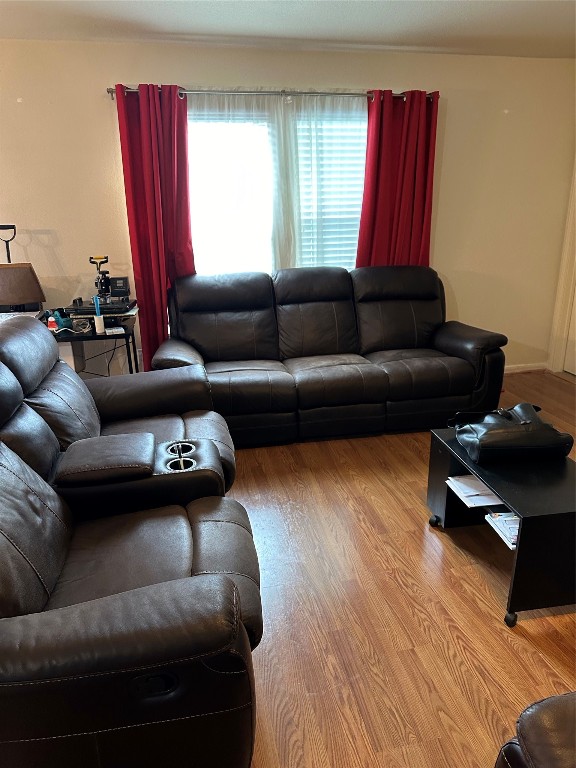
[189,460]
[183,448]
[181,464]
[181,451]
[173,472]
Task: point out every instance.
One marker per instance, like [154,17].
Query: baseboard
[525,367]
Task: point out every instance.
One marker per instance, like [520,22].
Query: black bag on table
[509,433]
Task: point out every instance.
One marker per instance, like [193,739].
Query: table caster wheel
[510,619]
[434,521]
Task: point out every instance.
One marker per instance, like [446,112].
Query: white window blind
[331,158]
[275,182]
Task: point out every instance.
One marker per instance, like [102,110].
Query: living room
[327,693]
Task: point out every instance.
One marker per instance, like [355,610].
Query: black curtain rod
[186,92]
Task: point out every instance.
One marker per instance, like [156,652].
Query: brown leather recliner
[45,406]
[126,640]
[545,736]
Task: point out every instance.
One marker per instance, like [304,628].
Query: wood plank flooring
[384,642]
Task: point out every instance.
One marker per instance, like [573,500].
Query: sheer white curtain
[275,181]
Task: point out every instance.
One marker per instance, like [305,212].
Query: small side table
[541,494]
[127,326]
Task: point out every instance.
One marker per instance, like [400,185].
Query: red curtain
[154,141]
[397,204]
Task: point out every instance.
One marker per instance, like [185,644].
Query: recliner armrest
[510,756]
[546,732]
[165,652]
[160,623]
[151,393]
[466,341]
[545,735]
[106,459]
[174,353]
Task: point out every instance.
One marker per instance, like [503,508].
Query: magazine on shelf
[506,524]
[472,491]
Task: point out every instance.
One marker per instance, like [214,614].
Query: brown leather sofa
[45,407]
[323,352]
[545,736]
[125,640]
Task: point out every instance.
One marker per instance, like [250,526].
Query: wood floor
[384,642]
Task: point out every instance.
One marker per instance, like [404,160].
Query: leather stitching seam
[127,727]
[32,491]
[23,556]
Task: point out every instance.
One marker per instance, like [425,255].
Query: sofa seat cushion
[424,373]
[329,380]
[124,552]
[207,425]
[251,386]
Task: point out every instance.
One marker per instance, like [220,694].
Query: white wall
[504,160]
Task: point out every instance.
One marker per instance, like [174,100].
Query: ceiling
[534,28]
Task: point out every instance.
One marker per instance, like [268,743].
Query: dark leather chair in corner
[125,641]
[45,406]
[545,736]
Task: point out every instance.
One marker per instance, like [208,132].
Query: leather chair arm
[167,652]
[545,735]
[510,756]
[546,732]
[151,393]
[466,341]
[174,353]
[167,622]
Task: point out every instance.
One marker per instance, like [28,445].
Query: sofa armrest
[106,459]
[174,353]
[170,621]
[149,654]
[101,664]
[466,341]
[510,756]
[545,735]
[151,393]
[546,732]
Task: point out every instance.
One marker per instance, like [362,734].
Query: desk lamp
[20,290]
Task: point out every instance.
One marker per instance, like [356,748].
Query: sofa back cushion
[28,349]
[23,430]
[35,533]
[226,317]
[315,311]
[28,435]
[11,394]
[49,386]
[65,403]
[397,307]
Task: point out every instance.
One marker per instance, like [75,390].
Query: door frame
[566,288]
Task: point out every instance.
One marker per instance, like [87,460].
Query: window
[275,181]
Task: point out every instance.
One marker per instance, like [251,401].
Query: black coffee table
[541,493]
